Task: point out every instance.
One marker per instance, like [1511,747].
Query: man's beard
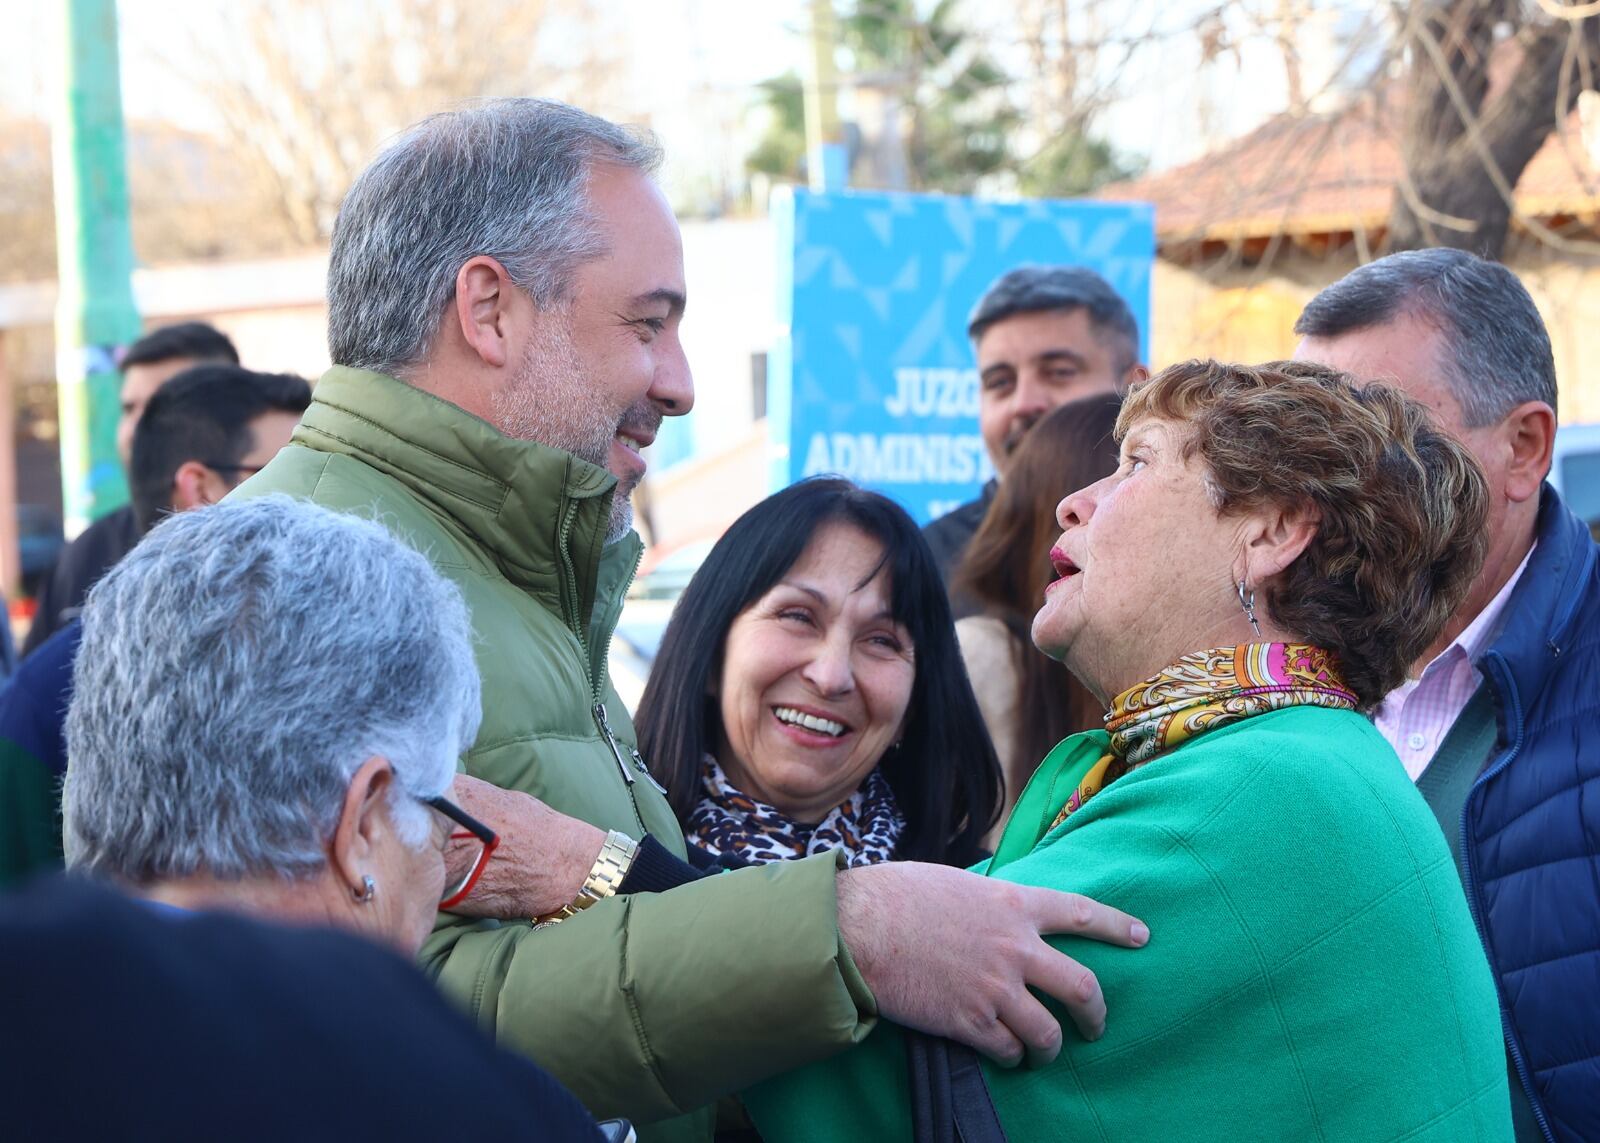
[550,400]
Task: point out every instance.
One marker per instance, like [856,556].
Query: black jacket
[949,536]
[96,551]
[130,1021]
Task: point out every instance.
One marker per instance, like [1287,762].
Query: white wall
[729,267]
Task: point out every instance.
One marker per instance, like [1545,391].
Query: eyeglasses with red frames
[471,829]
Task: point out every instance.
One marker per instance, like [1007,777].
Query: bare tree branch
[1569,11]
[1463,152]
[308,90]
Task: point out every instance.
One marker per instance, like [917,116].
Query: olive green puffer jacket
[648,1006]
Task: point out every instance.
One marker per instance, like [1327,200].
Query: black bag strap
[950,1101]
[976,1119]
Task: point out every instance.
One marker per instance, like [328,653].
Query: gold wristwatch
[605,875]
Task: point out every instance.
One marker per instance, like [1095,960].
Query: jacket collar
[1541,611]
[538,513]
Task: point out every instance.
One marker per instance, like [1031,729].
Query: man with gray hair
[1499,725]
[505,290]
[1043,335]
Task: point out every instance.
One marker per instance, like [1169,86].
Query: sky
[692,66]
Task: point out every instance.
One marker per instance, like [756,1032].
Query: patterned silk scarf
[866,826]
[1203,691]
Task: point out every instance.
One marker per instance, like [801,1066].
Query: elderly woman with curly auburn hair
[1275,546]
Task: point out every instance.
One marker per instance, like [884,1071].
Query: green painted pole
[95,312]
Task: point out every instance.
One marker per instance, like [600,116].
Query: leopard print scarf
[726,821]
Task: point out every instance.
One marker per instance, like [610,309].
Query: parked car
[1575,471]
[39,542]
[645,614]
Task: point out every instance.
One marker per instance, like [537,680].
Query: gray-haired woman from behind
[270,700]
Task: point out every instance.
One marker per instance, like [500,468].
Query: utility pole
[95,312]
[827,161]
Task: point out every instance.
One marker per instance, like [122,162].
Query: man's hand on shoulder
[952,953]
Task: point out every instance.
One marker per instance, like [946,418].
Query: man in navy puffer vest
[1500,725]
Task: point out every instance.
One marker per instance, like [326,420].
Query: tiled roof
[1331,173]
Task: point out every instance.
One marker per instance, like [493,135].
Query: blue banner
[872,375]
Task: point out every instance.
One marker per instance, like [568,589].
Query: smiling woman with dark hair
[809,693]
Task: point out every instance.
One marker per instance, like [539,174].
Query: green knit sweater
[1312,971]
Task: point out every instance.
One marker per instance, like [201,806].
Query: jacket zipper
[598,671]
[569,604]
[569,581]
[616,751]
[1508,691]
[596,684]
[643,768]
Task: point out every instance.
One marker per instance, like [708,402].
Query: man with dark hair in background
[149,363]
[1043,335]
[200,435]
